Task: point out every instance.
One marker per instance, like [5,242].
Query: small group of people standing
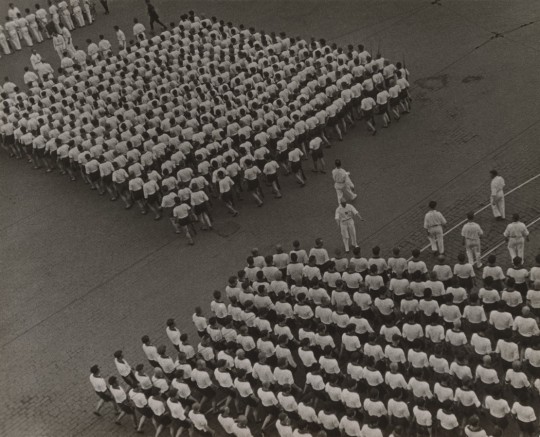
[36,26]
[515,234]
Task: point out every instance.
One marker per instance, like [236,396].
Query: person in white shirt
[138,30]
[121,400]
[121,37]
[471,233]
[434,223]
[525,416]
[295,163]
[342,183]
[182,215]
[344,216]
[124,369]
[198,420]
[101,389]
[497,196]
[367,106]
[515,234]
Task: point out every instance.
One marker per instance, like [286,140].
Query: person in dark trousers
[105,4]
[154,17]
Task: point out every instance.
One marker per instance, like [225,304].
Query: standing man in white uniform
[515,234]
[433,224]
[13,33]
[471,233]
[497,195]
[345,214]
[342,183]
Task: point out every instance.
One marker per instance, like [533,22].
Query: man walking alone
[154,17]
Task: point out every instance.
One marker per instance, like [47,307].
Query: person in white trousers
[4,43]
[59,44]
[33,26]
[24,30]
[433,224]
[345,214]
[342,183]
[471,233]
[497,195]
[516,233]
[13,34]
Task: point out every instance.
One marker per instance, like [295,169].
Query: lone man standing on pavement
[471,233]
[497,195]
[342,183]
[433,223]
[515,234]
[345,214]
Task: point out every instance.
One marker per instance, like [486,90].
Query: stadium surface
[81,277]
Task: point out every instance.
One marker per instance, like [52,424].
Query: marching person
[497,195]
[101,389]
[433,224]
[515,234]
[471,233]
[154,17]
[345,214]
[342,183]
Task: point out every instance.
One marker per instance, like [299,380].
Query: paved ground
[81,277]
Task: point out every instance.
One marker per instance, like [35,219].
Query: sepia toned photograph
[270,218]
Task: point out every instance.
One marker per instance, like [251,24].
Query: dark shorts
[94,176]
[394,101]
[40,152]
[181,423]
[207,392]
[228,391]
[317,154]
[403,94]
[368,115]
[184,221]
[383,109]
[271,177]
[296,166]
[126,408]
[107,180]
[526,427]
[201,208]
[137,195]
[272,410]
[153,198]
[260,163]
[332,121]
[146,411]
[227,197]
[249,400]
[122,187]
[282,156]
[164,419]
[105,396]
[64,162]
[252,184]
